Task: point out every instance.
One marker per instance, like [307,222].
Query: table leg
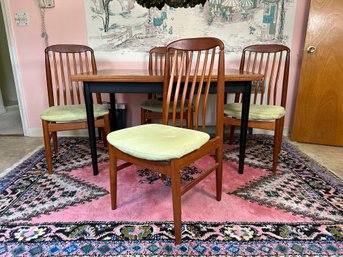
[91,127]
[113,111]
[244,125]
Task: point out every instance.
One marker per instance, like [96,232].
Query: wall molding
[38,132]
[2,106]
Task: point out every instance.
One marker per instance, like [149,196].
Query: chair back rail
[273,61]
[62,61]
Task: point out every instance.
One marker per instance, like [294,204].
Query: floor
[14,147]
[10,123]
[330,157]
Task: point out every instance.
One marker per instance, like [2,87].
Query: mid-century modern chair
[167,148]
[268,98]
[66,110]
[151,109]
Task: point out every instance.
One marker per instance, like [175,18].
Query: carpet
[296,212]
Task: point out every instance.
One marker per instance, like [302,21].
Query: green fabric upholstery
[156,141]
[157,106]
[64,113]
[256,112]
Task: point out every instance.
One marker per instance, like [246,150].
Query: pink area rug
[296,212]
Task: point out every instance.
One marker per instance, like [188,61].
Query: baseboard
[12,107]
[286,131]
[38,132]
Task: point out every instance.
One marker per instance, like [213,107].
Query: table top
[143,76]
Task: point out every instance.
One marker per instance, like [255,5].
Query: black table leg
[244,125]
[113,111]
[91,127]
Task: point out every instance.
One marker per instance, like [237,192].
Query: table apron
[149,87]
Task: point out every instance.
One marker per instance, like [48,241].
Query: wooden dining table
[140,81]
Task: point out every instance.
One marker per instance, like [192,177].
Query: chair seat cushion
[64,113]
[157,142]
[155,105]
[256,112]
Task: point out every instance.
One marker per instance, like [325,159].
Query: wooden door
[319,106]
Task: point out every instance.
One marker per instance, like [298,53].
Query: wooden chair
[151,109]
[167,148]
[66,110]
[267,110]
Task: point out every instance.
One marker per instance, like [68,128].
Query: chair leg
[191,119]
[142,116]
[103,136]
[176,195]
[48,154]
[277,142]
[113,176]
[163,177]
[106,129]
[232,132]
[100,132]
[54,140]
[219,173]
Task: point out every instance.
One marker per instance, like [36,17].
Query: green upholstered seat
[156,141]
[64,113]
[155,105]
[256,112]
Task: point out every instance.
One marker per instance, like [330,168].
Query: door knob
[311,49]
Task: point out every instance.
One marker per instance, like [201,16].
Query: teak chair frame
[61,61]
[271,60]
[178,87]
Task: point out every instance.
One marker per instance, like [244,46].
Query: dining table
[140,81]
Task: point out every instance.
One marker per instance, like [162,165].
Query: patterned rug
[296,212]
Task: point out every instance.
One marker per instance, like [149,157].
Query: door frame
[15,65]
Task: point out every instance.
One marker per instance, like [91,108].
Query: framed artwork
[126,30]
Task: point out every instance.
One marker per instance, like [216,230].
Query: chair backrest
[157,57]
[272,60]
[157,60]
[187,81]
[61,61]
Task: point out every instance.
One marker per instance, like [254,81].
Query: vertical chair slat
[81,69]
[63,79]
[271,76]
[277,77]
[178,71]
[183,94]
[194,82]
[207,89]
[263,82]
[191,94]
[69,84]
[75,84]
[57,81]
[254,68]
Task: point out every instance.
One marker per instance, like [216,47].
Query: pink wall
[66,23]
